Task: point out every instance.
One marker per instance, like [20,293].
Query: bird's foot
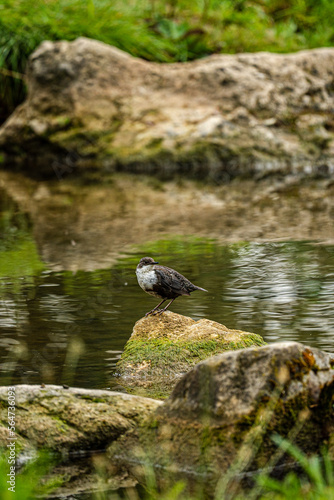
[158,311]
[153,312]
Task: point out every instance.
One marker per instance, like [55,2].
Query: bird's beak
[155,262]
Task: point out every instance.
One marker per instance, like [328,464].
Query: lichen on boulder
[92,107]
[219,421]
[162,348]
[65,420]
[70,423]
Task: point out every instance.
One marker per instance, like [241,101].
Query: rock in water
[221,416]
[92,106]
[217,423]
[71,422]
[65,420]
[163,348]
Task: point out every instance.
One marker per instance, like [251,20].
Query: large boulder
[90,105]
[65,420]
[73,424]
[216,425]
[219,420]
[162,348]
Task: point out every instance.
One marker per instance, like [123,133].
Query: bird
[162,282]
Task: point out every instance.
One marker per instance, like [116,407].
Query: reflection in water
[69,328]
[286,291]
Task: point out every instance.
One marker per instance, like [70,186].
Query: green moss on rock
[164,347]
[220,418]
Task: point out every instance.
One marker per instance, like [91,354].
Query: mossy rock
[162,348]
[93,107]
[67,420]
[71,423]
[219,421]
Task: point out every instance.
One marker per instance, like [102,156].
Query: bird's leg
[153,310]
[165,308]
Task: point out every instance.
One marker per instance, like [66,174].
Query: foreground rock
[216,425]
[92,106]
[219,420]
[65,420]
[164,347]
[77,425]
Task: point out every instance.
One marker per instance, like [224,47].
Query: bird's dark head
[146,261]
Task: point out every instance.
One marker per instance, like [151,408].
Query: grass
[314,481]
[157,30]
[31,481]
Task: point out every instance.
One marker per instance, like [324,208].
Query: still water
[65,328]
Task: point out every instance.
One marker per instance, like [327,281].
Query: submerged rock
[221,416]
[92,106]
[162,348]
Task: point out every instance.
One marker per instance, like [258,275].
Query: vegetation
[31,480]
[315,481]
[157,30]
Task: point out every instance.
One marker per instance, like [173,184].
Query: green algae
[208,445]
[23,260]
[151,367]
[165,352]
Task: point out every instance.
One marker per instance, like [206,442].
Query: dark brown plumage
[162,282]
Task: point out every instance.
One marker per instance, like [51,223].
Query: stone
[65,420]
[93,107]
[162,348]
[76,425]
[221,416]
[216,426]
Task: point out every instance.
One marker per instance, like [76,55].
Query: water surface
[65,328]
[70,328]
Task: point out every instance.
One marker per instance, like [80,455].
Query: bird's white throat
[146,277]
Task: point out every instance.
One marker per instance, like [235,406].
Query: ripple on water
[74,326]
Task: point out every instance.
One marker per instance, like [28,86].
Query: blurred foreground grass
[31,481]
[158,30]
[315,481]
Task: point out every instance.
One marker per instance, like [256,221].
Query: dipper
[162,282]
